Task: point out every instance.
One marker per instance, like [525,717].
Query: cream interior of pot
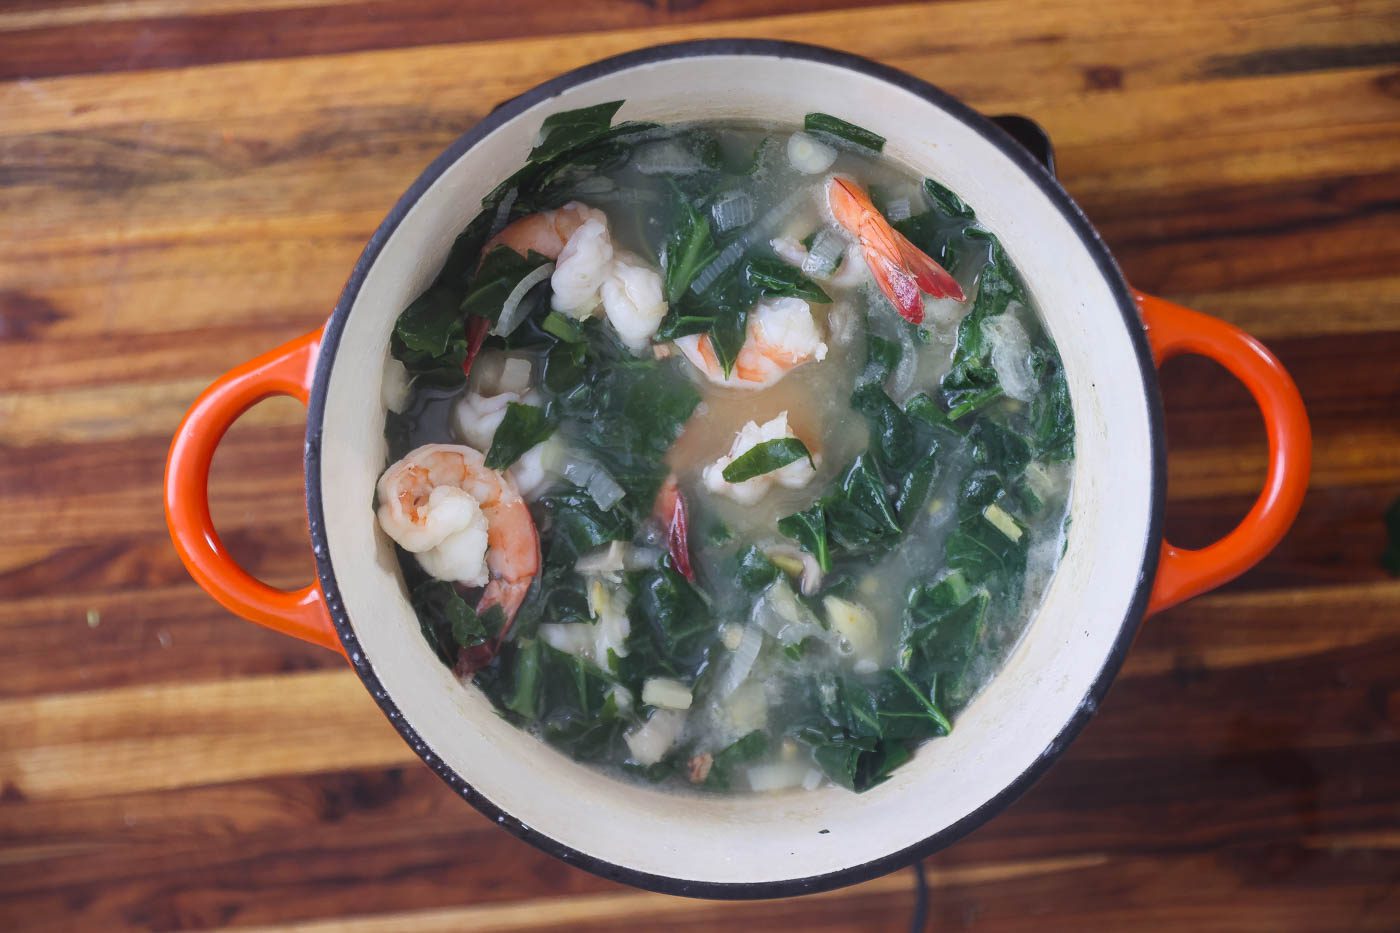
[797,834]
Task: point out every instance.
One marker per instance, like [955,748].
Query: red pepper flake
[476,335]
[670,509]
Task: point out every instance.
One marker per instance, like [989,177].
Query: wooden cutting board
[183,185]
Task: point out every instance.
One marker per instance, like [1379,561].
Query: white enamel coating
[781,836]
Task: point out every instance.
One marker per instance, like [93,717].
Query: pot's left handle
[286,370]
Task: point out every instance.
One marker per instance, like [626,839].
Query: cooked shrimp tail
[900,268]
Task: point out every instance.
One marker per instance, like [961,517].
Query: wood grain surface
[185,184]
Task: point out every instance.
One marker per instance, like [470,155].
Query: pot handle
[286,370]
[1172,331]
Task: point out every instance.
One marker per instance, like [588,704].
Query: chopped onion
[787,555]
[778,776]
[1011,355]
[898,209]
[574,638]
[727,257]
[513,311]
[902,379]
[498,223]
[649,742]
[665,693]
[610,559]
[666,158]
[779,614]
[808,155]
[741,663]
[602,487]
[731,210]
[827,247]
[641,558]
[515,375]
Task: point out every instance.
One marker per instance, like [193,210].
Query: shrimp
[900,268]
[794,475]
[780,336]
[465,523]
[545,232]
[588,273]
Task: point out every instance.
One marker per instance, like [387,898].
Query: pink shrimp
[900,268]
[545,232]
[780,336]
[460,518]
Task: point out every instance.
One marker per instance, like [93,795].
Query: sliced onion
[650,742]
[641,558]
[898,209]
[902,379]
[741,663]
[811,570]
[726,258]
[513,311]
[609,559]
[1011,355]
[779,775]
[808,155]
[666,158]
[602,487]
[827,247]
[731,210]
[779,614]
[498,223]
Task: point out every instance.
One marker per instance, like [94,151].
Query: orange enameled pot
[1116,569]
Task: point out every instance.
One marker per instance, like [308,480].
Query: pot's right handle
[1172,331]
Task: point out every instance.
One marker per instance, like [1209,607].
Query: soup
[725,456]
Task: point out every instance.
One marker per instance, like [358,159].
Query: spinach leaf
[500,272]
[979,548]
[577,710]
[727,335]
[672,631]
[848,736]
[945,201]
[943,627]
[678,323]
[572,128]
[773,278]
[881,358]
[925,409]
[808,528]
[689,248]
[999,448]
[892,436]
[523,427]
[756,572]
[765,457]
[448,623]
[750,747]
[523,696]
[859,514]
[1053,419]
[826,125]
[574,520]
[915,485]
[908,711]
[430,338]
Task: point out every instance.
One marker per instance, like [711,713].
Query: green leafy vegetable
[570,129]
[576,521]
[430,338]
[752,746]
[946,201]
[671,628]
[765,457]
[562,327]
[689,248]
[448,623]
[1053,419]
[881,358]
[523,427]
[727,336]
[772,278]
[500,272]
[756,572]
[808,528]
[827,125]
[892,436]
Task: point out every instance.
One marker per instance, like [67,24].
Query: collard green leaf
[500,272]
[448,623]
[881,358]
[1053,419]
[523,427]
[765,457]
[690,247]
[572,128]
[576,521]
[727,336]
[749,748]
[825,124]
[808,529]
[892,436]
[672,631]
[430,338]
[756,572]
[773,278]
[945,201]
